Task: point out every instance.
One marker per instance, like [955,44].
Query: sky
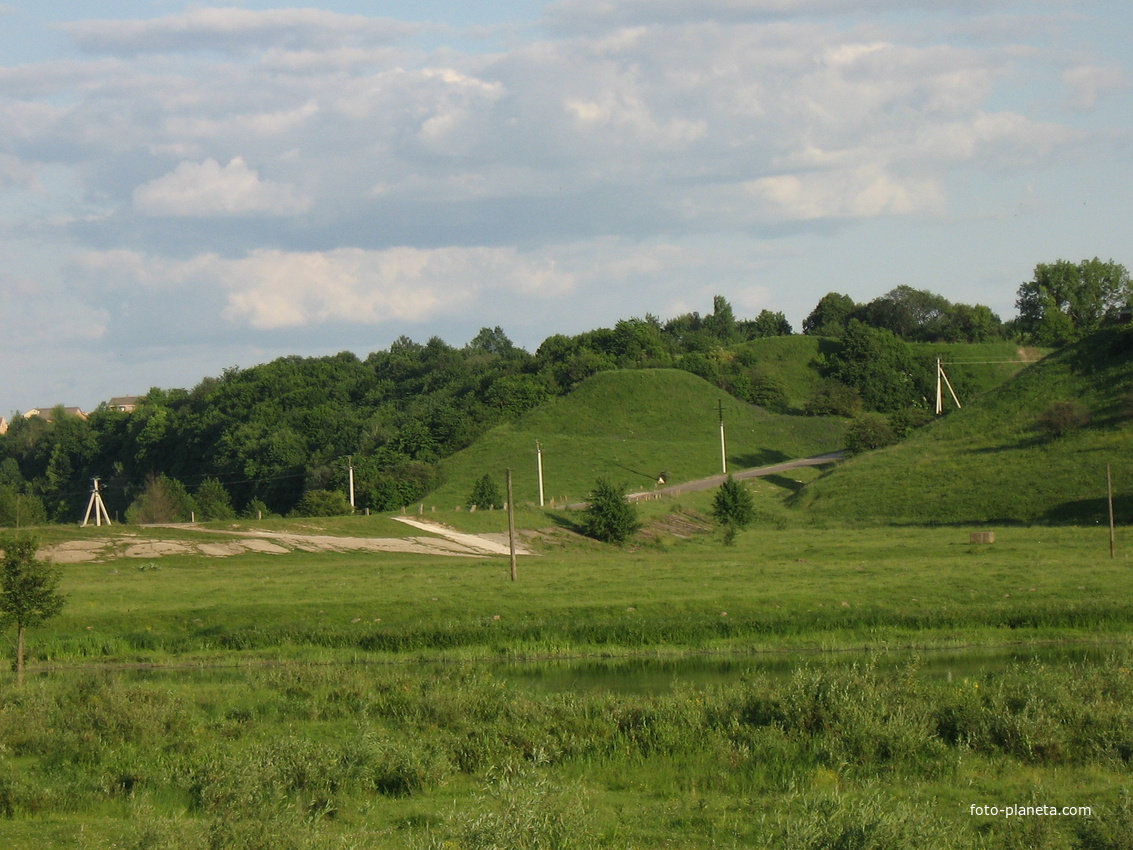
[187,187]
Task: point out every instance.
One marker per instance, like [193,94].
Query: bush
[164,500]
[322,503]
[485,493]
[834,399]
[609,516]
[1062,417]
[868,432]
[213,501]
[733,508]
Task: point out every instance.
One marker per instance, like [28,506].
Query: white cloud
[857,193]
[207,189]
[1086,84]
[232,28]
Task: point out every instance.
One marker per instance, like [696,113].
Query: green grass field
[278,700]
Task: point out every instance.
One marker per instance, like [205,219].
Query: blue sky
[186,187]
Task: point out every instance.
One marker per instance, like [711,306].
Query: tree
[878,365]
[164,500]
[213,501]
[767,324]
[29,592]
[1064,302]
[733,508]
[609,515]
[485,493]
[829,316]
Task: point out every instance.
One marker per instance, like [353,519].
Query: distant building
[48,413]
[3,425]
[124,403]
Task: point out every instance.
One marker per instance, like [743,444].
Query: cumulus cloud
[234,29]
[208,189]
[590,15]
[1086,84]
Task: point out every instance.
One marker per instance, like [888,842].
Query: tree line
[279,437]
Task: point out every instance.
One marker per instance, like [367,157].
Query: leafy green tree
[485,493]
[610,517]
[29,592]
[213,501]
[722,322]
[733,508]
[830,315]
[766,324]
[20,509]
[878,364]
[1065,301]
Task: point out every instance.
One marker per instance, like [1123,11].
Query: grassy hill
[629,426]
[795,362]
[989,463]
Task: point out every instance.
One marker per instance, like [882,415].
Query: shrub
[485,493]
[609,516]
[733,508]
[1062,417]
[868,432]
[834,399]
[213,501]
[322,503]
[163,500]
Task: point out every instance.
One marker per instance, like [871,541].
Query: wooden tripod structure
[97,505]
[941,381]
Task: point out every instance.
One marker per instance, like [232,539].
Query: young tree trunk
[20,654]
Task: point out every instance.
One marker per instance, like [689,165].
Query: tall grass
[345,756]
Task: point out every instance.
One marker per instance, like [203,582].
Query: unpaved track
[717,480]
[448,542]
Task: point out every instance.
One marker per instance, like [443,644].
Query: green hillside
[630,426]
[989,463]
[795,363]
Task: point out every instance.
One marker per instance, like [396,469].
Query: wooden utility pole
[942,379]
[1109,489]
[539,461]
[511,524]
[96,504]
[723,448]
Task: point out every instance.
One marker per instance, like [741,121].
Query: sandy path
[449,543]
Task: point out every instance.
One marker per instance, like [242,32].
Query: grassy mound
[991,463]
[630,426]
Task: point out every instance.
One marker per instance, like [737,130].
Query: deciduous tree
[1065,301]
[609,516]
[29,592]
[733,508]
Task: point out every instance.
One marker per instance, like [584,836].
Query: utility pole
[1109,488]
[941,379]
[350,478]
[96,504]
[539,462]
[511,524]
[723,447]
